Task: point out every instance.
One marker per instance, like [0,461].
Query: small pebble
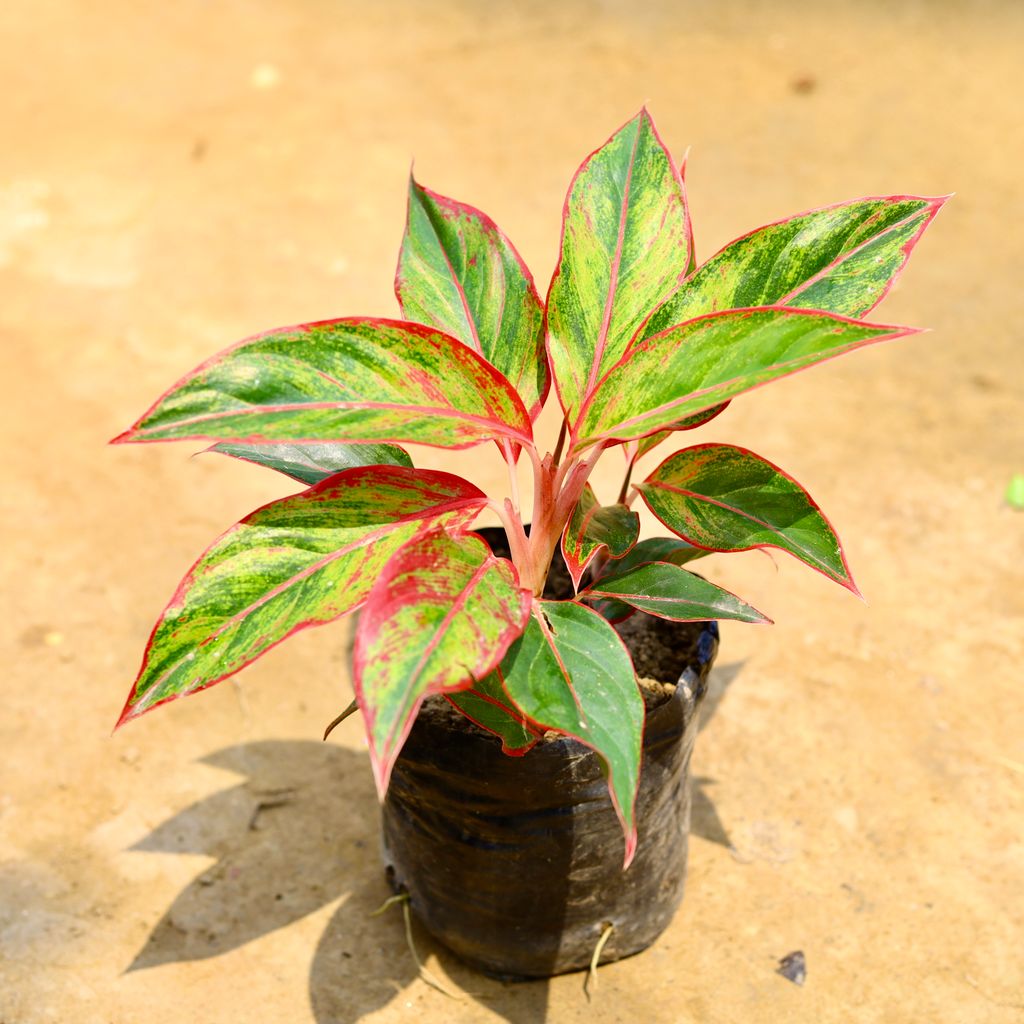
[793,967]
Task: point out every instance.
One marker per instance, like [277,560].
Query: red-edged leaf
[625,248]
[593,526]
[457,271]
[442,614]
[357,379]
[311,463]
[725,498]
[488,705]
[840,259]
[701,363]
[645,444]
[296,562]
[570,671]
[669,592]
[654,549]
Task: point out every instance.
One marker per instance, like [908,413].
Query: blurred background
[176,177]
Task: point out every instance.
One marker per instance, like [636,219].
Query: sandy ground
[175,177]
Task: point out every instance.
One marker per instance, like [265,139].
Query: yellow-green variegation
[458,272]
[356,379]
[640,344]
[840,259]
[626,247]
[297,562]
[724,498]
[704,362]
[442,613]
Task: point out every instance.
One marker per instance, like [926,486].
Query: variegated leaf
[645,444]
[669,592]
[625,248]
[354,379]
[487,704]
[570,671]
[297,562]
[311,463]
[840,259]
[457,271]
[704,362]
[442,614]
[593,526]
[725,498]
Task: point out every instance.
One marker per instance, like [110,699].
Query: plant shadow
[704,818]
[300,832]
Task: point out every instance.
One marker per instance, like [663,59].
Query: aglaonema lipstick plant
[640,344]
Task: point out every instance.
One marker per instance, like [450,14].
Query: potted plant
[562,633]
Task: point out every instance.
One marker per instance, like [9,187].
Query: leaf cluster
[640,344]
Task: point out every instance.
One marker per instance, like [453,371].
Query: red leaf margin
[523,436]
[631,835]
[474,501]
[689,267]
[382,767]
[894,332]
[489,223]
[849,583]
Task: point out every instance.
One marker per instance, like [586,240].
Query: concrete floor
[175,177]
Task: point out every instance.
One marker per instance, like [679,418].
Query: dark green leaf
[669,592]
[728,499]
[311,463]
[570,672]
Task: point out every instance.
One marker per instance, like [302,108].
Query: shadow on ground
[302,832]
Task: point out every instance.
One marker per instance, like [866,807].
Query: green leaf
[311,463]
[593,526]
[672,593]
[297,562]
[704,362]
[569,671]
[654,549]
[725,498]
[487,704]
[458,272]
[839,259]
[442,614]
[354,379]
[625,248]
[645,444]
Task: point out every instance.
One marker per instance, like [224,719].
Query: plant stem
[513,475]
[518,542]
[625,482]
[561,441]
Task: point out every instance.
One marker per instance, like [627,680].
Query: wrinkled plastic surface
[515,863]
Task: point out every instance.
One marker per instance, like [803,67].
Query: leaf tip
[631,845]
[381,773]
[125,437]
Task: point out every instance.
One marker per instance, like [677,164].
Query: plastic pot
[515,863]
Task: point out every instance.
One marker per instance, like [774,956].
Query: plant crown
[639,342]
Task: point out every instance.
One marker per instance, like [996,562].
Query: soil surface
[180,176]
